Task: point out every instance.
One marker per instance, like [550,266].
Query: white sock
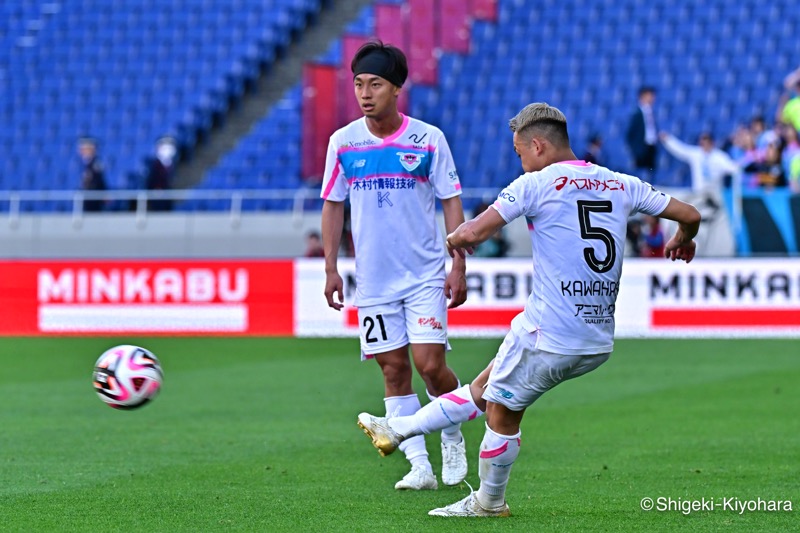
[448,409]
[450,433]
[498,453]
[414,447]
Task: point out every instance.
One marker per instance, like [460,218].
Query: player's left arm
[474,232]
[455,285]
[447,187]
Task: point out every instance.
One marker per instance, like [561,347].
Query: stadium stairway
[268,90]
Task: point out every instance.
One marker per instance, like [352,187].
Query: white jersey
[577,215]
[393,183]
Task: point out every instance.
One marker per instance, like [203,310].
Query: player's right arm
[332,224]
[334,192]
[681,246]
[473,232]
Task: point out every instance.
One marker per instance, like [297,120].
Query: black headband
[380,64]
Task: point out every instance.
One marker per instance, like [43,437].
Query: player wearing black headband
[394,167]
[373,66]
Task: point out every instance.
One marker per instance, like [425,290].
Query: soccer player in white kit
[576,214]
[394,167]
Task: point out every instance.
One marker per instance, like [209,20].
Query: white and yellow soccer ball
[127,377]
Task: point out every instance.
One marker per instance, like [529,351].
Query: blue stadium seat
[713,63]
[126,75]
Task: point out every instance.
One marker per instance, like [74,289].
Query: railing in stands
[17,203]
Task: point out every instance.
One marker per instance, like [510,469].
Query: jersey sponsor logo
[410,161]
[429,321]
[505,195]
[358,163]
[416,138]
[453,175]
[380,184]
[384,199]
[588,184]
[358,144]
[595,313]
[505,394]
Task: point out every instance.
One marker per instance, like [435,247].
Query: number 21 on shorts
[375,329]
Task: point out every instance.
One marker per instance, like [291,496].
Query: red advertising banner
[319,116]
[422,61]
[454,26]
[485,10]
[146,297]
[349,109]
[391,27]
[391,24]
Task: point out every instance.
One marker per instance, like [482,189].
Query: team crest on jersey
[410,161]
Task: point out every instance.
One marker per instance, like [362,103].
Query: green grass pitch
[260,435]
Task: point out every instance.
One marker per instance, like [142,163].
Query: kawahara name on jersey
[580,287]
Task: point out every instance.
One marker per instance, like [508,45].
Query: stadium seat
[127,75]
[178,66]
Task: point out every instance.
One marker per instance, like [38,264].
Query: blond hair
[542,119]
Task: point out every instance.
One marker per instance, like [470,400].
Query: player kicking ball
[577,214]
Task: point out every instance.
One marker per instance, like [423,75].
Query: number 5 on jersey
[588,231]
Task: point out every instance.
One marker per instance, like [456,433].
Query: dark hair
[644,89]
[394,66]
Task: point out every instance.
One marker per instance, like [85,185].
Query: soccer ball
[127,377]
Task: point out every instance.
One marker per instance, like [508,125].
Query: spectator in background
[642,134]
[92,173]
[768,171]
[314,245]
[709,168]
[762,136]
[162,172]
[794,175]
[594,150]
[789,106]
[496,245]
[709,165]
[744,152]
[653,245]
[788,137]
[791,156]
[633,237]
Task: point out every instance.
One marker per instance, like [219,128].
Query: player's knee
[397,373]
[439,379]
[432,369]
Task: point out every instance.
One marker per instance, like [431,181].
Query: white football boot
[384,438]
[420,478]
[469,507]
[454,462]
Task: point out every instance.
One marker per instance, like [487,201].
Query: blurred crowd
[760,154]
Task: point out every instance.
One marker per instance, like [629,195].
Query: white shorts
[420,318]
[522,373]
